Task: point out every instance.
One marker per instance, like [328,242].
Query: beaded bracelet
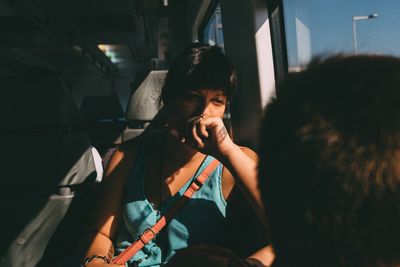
[93,257]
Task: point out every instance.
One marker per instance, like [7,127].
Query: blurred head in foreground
[330,163]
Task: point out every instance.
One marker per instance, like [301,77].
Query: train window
[316,27]
[212,32]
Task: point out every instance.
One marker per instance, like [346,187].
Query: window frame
[210,11]
[278,37]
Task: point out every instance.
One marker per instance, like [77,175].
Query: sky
[327,24]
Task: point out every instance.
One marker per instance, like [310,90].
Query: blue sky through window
[324,27]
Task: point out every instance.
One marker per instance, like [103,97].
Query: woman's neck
[178,152]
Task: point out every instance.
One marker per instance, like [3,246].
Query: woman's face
[206,102]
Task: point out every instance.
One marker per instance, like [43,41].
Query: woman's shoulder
[144,141]
[124,154]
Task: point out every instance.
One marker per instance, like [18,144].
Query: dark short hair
[199,66]
[330,163]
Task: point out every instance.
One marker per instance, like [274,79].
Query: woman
[148,175]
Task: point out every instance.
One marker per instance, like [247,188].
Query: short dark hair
[330,163]
[199,66]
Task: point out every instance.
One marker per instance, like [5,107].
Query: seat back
[48,173]
[103,121]
[144,107]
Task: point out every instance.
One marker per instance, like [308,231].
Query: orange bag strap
[151,232]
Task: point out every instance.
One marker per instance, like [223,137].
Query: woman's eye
[219,100]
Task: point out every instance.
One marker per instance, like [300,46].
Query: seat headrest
[37,99]
[144,102]
[101,108]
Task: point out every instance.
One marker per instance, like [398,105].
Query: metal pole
[372,16]
[355,37]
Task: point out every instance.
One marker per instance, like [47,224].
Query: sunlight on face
[206,102]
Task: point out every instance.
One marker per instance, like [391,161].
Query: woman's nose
[204,109]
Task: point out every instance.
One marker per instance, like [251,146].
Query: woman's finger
[195,135]
[202,129]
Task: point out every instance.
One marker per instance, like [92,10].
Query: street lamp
[355,18]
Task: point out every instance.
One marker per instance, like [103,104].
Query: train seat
[49,174]
[103,121]
[144,108]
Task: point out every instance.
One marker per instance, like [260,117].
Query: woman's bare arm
[241,164]
[105,220]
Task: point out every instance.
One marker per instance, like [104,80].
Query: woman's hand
[209,136]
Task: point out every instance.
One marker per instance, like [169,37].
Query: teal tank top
[199,221]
